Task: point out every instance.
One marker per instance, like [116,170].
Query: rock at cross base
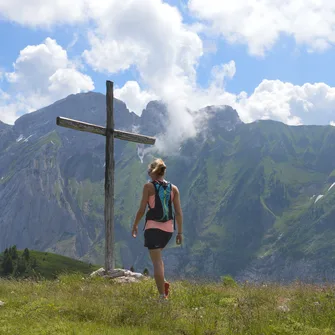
[124,279]
[119,275]
[1,303]
[98,273]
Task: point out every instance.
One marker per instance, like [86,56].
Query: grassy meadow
[38,264]
[76,304]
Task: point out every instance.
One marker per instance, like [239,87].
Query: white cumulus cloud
[288,103]
[42,74]
[259,23]
[220,72]
[149,35]
[135,98]
[272,99]
[43,13]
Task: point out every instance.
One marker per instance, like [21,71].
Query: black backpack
[162,211]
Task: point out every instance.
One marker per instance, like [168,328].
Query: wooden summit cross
[110,134]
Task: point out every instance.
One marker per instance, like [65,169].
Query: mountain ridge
[243,186]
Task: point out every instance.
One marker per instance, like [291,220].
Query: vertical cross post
[109,181]
[110,132]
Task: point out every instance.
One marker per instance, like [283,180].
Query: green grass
[50,265]
[76,305]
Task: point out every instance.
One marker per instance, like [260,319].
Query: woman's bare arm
[177,209]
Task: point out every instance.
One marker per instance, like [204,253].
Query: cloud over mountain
[42,74]
[162,51]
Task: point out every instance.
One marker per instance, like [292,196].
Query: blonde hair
[157,167]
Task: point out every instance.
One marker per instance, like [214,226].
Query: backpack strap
[154,183]
[157,184]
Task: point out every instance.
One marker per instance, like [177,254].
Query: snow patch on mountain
[20,138]
[318,198]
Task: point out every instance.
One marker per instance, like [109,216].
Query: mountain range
[258,198]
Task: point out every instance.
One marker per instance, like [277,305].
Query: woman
[159,195]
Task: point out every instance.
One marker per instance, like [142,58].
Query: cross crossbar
[92,128]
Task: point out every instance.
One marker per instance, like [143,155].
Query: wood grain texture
[81,126]
[92,128]
[109,181]
[125,136]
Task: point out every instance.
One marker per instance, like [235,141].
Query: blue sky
[21,36]
[282,62]
[285,59]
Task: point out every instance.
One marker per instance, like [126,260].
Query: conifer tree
[13,252]
[26,254]
[21,266]
[7,264]
[34,264]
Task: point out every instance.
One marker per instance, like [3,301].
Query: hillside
[251,193]
[45,265]
[72,305]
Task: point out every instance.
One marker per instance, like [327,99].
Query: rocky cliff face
[153,118]
[4,126]
[40,163]
[257,198]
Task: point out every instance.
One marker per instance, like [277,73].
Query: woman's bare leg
[156,257]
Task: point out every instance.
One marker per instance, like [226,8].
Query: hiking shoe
[166,288]
[163,298]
